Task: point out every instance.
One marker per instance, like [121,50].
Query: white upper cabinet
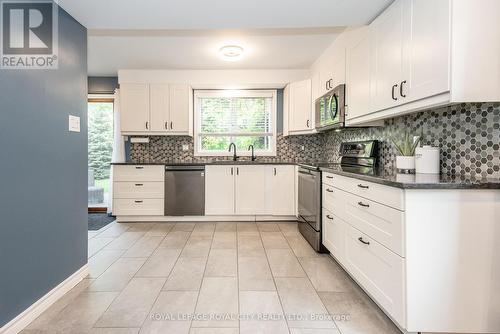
[159,98]
[425,54]
[181,100]
[358,76]
[134,106]
[386,57]
[156,109]
[298,112]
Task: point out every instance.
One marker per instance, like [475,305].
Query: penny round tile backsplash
[468,136]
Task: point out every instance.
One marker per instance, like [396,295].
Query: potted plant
[405,160]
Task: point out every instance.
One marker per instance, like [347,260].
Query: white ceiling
[167,34]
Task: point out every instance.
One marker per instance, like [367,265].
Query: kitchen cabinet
[298,111]
[358,78]
[156,109]
[250,190]
[134,108]
[219,190]
[377,232]
[138,190]
[280,190]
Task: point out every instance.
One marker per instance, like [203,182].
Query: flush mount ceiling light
[231,52]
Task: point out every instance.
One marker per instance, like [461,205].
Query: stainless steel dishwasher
[184,190]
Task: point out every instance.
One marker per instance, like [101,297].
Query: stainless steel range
[358,157]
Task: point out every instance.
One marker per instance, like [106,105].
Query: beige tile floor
[207,278]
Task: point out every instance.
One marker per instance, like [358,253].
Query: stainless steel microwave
[330,109]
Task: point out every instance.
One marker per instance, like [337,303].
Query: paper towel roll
[427,160]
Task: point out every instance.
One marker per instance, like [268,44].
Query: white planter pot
[405,164]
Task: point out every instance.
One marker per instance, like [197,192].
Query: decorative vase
[405,164]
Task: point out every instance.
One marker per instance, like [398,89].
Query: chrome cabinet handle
[329,177]
[139,167]
[139,184]
[138,201]
[171,125]
[364,205]
[329,217]
[329,190]
[237,171]
[362,241]
[166,125]
[274,171]
[363,186]
[232,171]
[401,89]
[307,123]
[393,94]
[147,125]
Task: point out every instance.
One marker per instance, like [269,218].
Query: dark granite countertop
[415,181]
[209,162]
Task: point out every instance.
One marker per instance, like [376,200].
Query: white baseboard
[31,313]
[251,218]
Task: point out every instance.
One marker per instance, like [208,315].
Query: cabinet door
[387,39]
[180,109]
[334,234]
[250,190]
[358,79]
[134,107]
[280,190]
[300,107]
[219,190]
[426,50]
[159,100]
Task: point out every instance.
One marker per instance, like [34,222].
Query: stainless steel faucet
[253,152]
[235,157]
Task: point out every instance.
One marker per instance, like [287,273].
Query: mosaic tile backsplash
[468,135]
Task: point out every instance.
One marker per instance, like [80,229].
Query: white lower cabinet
[250,190]
[219,190]
[138,207]
[378,270]
[334,231]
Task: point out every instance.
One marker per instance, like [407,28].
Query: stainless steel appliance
[330,109]
[310,205]
[185,190]
[357,157]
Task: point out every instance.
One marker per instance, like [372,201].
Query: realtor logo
[29,34]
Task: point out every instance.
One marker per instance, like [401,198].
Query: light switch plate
[74,123]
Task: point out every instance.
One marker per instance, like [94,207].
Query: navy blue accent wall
[102,85]
[43,171]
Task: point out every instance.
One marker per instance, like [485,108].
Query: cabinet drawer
[378,270]
[334,230]
[328,196]
[138,207]
[135,173]
[380,222]
[138,190]
[386,195]
[327,178]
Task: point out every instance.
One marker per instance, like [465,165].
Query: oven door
[309,198]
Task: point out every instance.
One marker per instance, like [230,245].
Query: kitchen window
[243,117]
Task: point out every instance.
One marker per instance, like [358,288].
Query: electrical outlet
[302,148]
[185,147]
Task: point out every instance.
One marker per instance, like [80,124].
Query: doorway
[100,151]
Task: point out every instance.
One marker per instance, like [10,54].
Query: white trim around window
[270,135]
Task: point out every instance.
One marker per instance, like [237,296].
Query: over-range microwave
[330,109]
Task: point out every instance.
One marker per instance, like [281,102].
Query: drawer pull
[329,190]
[329,217]
[138,201]
[139,167]
[364,205]
[329,177]
[139,184]
[363,186]
[362,241]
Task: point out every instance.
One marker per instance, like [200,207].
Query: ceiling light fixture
[231,52]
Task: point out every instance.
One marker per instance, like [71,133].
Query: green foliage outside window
[100,142]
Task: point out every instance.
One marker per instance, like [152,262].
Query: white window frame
[234,93]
